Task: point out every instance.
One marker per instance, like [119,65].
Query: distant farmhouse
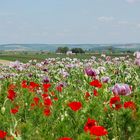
[69,53]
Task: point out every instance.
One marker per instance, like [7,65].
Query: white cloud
[105,19]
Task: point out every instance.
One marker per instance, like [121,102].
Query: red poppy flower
[96,83]
[55,98]
[115,102]
[45,95]
[11,94]
[75,106]
[24,84]
[2,134]
[47,102]
[47,112]
[65,138]
[87,95]
[36,100]
[98,131]
[89,124]
[95,92]
[12,86]
[32,86]
[32,105]
[130,105]
[46,87]
[14,110]
[59,88]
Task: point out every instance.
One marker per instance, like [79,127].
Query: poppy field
[71,99]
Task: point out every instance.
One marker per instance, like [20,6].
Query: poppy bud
[3,110]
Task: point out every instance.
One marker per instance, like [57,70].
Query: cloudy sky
[69,21]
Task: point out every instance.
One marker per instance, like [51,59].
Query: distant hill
[53,47]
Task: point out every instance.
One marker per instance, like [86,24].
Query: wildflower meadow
[71,99]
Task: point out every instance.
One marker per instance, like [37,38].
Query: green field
[26,56]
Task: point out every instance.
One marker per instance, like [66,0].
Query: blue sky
[69,21]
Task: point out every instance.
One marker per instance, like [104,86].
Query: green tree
[77,50]
[62,49]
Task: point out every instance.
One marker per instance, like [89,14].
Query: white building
[69,53]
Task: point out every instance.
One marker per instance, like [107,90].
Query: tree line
[66,49]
